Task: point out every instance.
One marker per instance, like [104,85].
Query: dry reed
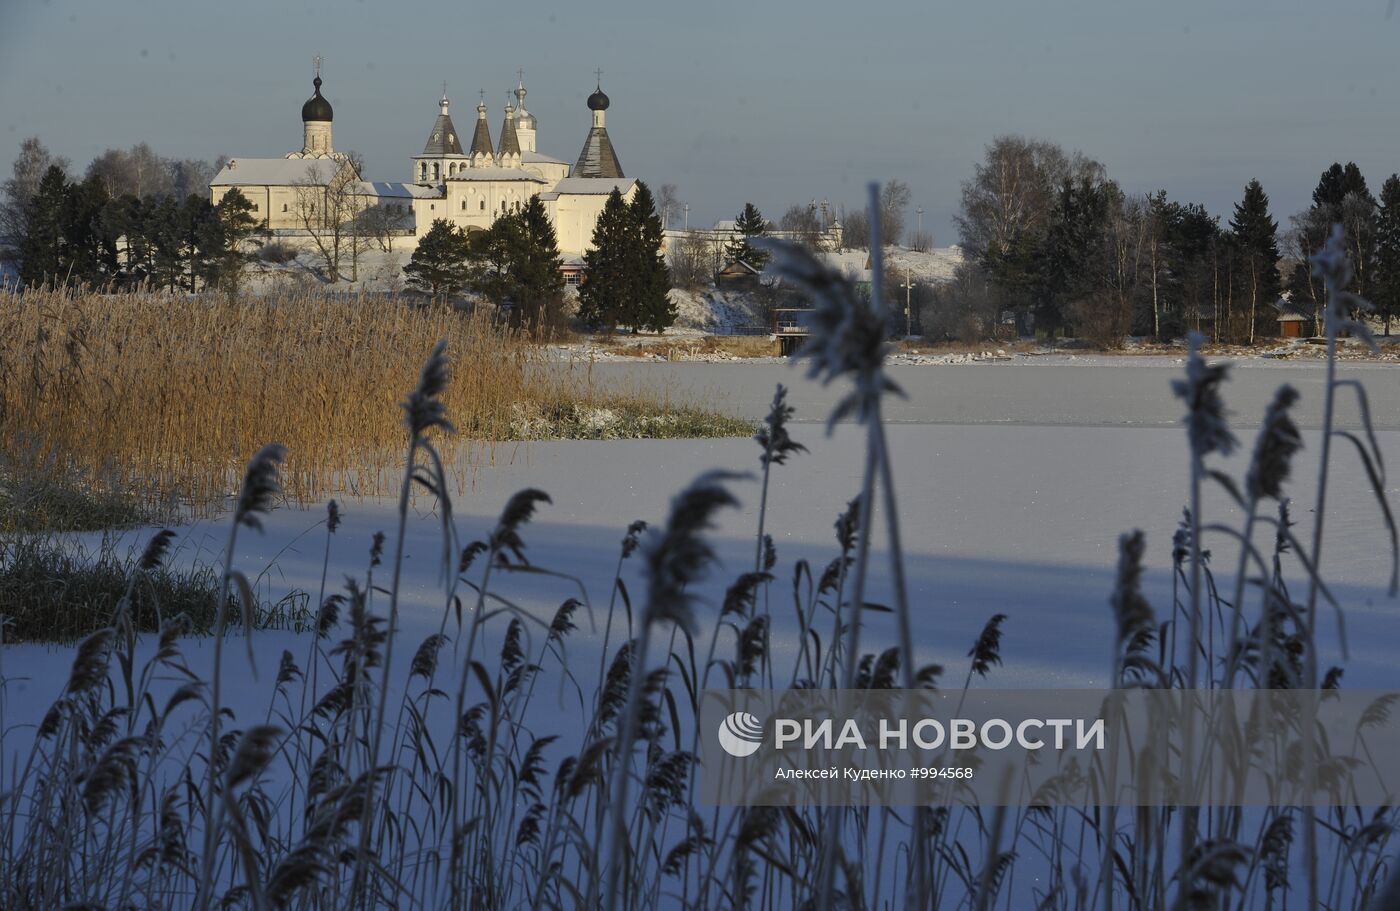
[167,393]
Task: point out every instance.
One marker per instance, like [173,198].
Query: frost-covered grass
[53,590]
[441,773]
[43,495]
[623,420]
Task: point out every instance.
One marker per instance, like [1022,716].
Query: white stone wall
[575,216]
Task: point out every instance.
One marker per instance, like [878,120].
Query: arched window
[464,205]
[423,171]
[437,171]
[483,205]
[284,207]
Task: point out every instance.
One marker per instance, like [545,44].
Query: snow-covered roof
[539,158]
[275,172]
[388,189]
[496,174]
[589,186]
[1289,311]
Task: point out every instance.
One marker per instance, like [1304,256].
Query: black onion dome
[316,107]
[598,101]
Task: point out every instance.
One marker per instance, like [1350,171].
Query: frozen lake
[1087,391]
[1014,482]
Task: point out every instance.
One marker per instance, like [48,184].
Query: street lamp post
[920,212]
[687,216]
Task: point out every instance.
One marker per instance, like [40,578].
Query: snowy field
[1015,482]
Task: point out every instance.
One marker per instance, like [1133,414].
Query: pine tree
[1255,235]
[167,241]
[539,285]
[606,292]
[231,228]
[490,254]
[40,250]
[439,265]
[651,306]
[1385,286]
[748,225]
[1342,197]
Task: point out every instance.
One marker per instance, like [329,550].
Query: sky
[777,103]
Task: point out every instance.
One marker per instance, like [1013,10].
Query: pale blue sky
[774,102]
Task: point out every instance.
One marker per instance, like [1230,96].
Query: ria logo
[741,734]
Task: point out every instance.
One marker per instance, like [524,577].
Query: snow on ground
[377,271]
[717,312]
[1001,511]
[930,266]
[1013,484]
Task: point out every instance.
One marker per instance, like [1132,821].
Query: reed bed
[166,394]
[447,778]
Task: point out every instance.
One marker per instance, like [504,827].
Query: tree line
[133,219]
[1052,241]
[515,264]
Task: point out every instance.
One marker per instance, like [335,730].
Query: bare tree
[190,176]
[667,203]
[29,167]
[691,261]
[894,200]
[140,172]
[1011,194]
[968,308]
[920,241]
[382,222]
[855,230]
[328,204]
[804,223]
[1124,260]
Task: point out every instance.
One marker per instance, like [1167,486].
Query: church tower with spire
[598,159]
[482,155]
[508,151]
[524,120]
[442,154]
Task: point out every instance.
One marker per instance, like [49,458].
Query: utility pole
[920,212]
[908,303]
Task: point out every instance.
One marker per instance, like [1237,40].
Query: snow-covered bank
[1018,520]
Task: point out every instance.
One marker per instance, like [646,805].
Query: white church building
[470,186]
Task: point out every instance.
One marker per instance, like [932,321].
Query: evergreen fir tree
[651,305]
[1385,286]
[439,265]
[167,241]
[40,250]
[748,225]
[1255,236]
[538,283]
[489,257]
[89,245]
[606,292]
[1071,249]
[1342,197]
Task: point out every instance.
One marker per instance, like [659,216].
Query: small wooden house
[1295,320]
[738,275]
